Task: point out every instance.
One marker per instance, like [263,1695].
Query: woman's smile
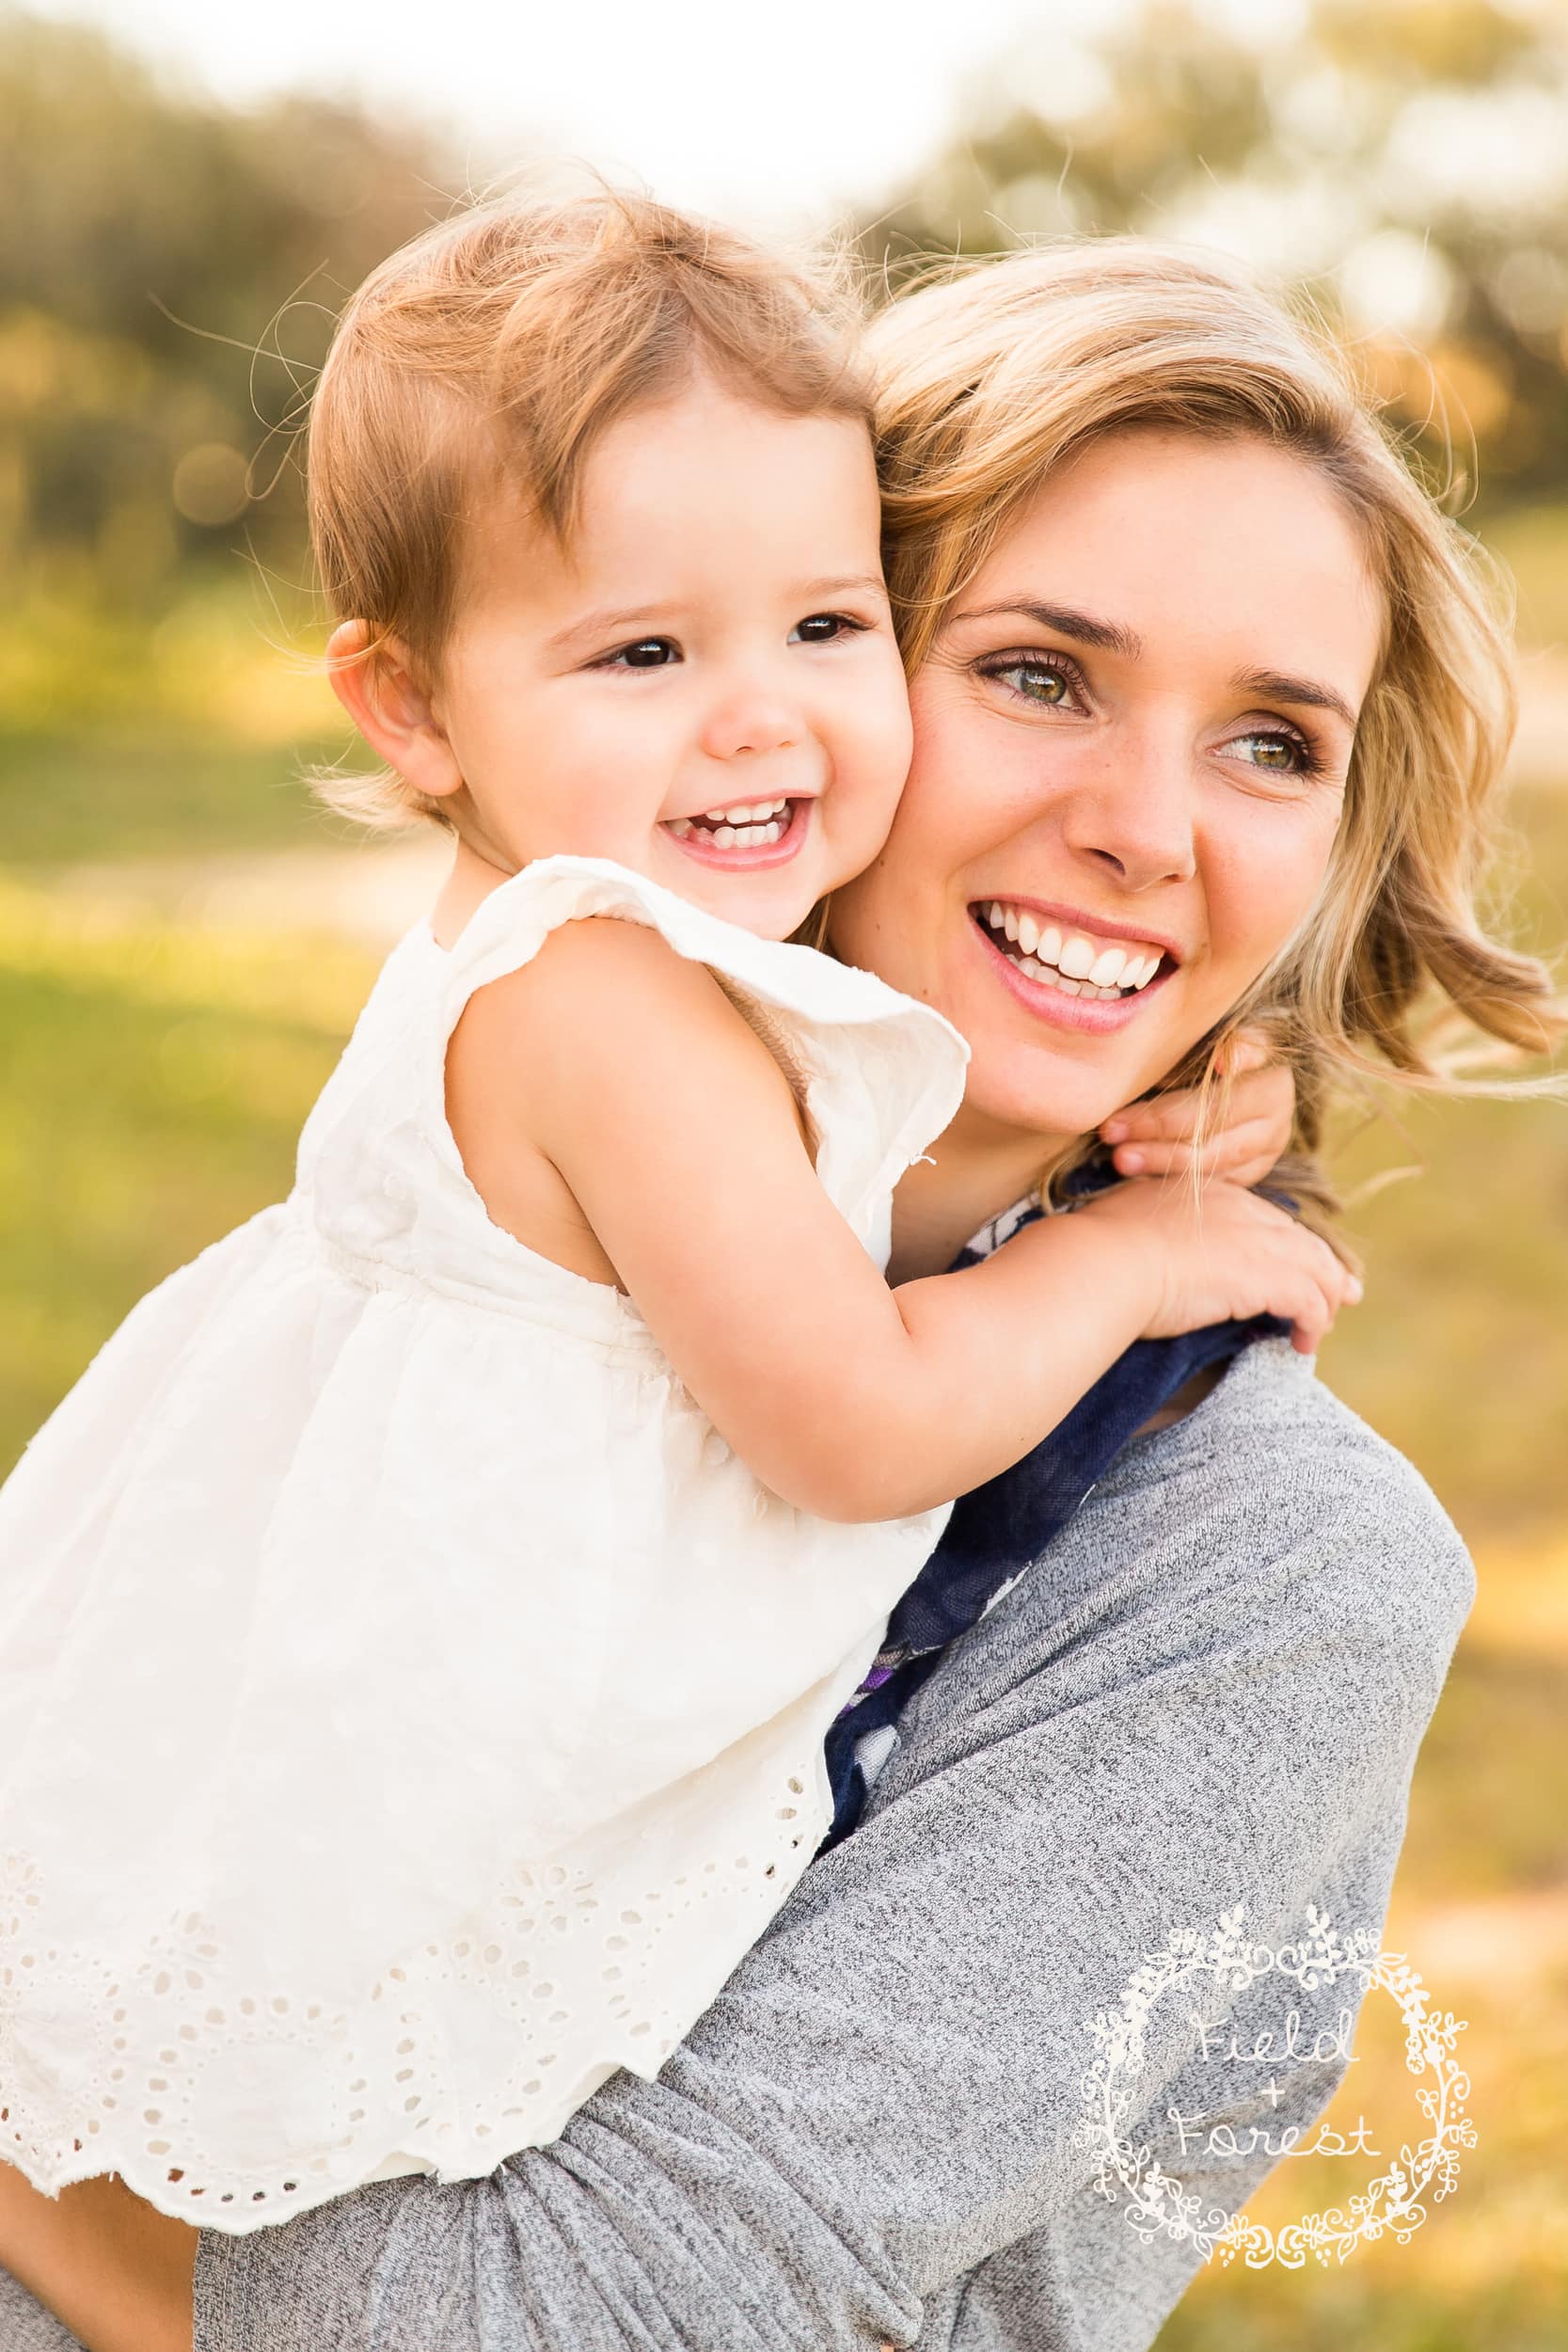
[1071,968]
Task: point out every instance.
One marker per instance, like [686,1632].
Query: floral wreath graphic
[1159,2206]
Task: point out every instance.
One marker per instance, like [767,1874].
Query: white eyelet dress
[410,1709]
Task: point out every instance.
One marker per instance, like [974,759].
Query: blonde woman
[1196,669]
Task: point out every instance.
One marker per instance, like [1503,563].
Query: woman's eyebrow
[1278,686]
[1064,622]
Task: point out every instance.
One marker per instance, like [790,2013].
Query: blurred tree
[170,270]
[1406,159]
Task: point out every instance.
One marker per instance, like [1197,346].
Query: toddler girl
[420,1626]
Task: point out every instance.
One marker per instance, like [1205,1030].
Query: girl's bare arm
[676,1133]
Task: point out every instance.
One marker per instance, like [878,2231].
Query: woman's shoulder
[1285,1466]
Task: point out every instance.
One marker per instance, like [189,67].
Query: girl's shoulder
[877,1075]
[509,927]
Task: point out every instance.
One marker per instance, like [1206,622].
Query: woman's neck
[976,1170]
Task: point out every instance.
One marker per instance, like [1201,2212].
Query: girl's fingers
[1266,1098]
[1169,1118]
[1313,1319]
[1259,1093]
[1243,1153]
[1249,1049]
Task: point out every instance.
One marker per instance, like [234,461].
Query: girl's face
[705,685]
[1132,738]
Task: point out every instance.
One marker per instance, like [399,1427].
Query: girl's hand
[1221,1254]
[1155,1139]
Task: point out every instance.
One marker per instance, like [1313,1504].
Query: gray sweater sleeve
[1208,1692]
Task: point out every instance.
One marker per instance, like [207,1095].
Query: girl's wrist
[1116,1265]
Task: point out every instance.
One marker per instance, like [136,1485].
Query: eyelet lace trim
[478,2044]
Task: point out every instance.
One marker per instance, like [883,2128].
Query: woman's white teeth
[748,828]
[1080,965]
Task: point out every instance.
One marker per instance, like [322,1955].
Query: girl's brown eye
[824,628]
[648,653]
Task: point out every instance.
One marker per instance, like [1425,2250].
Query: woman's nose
[1135,820]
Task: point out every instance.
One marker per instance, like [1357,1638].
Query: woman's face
[1131,738]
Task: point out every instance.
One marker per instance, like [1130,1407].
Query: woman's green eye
[1038,680]
[1281,755]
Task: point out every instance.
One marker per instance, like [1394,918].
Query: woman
[1196,668]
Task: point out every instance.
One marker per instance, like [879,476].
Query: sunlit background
[187,193]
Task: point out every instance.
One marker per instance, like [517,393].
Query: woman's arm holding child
[629,1067]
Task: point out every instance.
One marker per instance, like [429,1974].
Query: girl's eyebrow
[871,582]
[607,623]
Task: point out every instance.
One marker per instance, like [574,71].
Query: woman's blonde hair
[495,349]
[994,374]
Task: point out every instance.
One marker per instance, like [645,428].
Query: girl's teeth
[1050,946]
[746,816]
[1010,922]
[1108,967]
[1077,958]
[737,828]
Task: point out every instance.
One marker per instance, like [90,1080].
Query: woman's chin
[1055,1106]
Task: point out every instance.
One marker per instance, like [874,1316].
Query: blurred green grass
[153,793]
[1460,1355]
[157,1080]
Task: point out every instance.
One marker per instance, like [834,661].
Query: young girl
[420,1626]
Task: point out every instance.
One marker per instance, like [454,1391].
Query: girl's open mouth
[749,833]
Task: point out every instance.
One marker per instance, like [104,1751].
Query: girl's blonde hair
[994,374]
[495,349]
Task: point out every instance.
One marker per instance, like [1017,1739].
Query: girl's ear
[374,680]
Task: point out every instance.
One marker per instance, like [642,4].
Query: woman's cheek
[1264,884]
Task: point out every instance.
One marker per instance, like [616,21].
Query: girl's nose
[750,724]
